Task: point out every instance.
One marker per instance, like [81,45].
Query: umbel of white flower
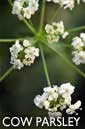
[56,99]
[55,31]
[67,3]
[79,49]
[25,8]
[23,54]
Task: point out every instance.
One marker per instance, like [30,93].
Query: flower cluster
[23,54]
[25,8]
[55,99]
[55,31]
[66,3]
[79,52]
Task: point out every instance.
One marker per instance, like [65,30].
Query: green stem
[6,74]
[66,45]
[76,29]
[29,26]
[10,2]
[34,42]
[54,15]
[45,66]
[10,40]
[66,60]
[42,15]
[25,21]
[31,23]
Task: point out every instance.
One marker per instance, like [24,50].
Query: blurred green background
[18,90]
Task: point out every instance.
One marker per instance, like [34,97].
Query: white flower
[46,104]
[73,108]
[23,55]
[33,5]
[37,101]
[82,35]
[77,43]
[67,100]
[66,89]
[63,107]
[52,92]
[54,109]
[55,31]
[49,0]
[83,1]
[27,13]
[66,3]
[48,89]
[49,96]
[79,57]
[56,99]
[16,48]
[58,27]
[17,64]
[25,8]
[52,38]
[55,1]
[51,89]
[49,29]
[65,34]
[26,43]
[35,51]
[78,1]
[79,49]
[16,7]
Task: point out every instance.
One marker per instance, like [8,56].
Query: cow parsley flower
[79,49]
[55,31]
[72,108]
[77,43]
[66,90]
[56,99]
[25,8]
[23,54]
[66,3]
[79,57]
[83,1]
